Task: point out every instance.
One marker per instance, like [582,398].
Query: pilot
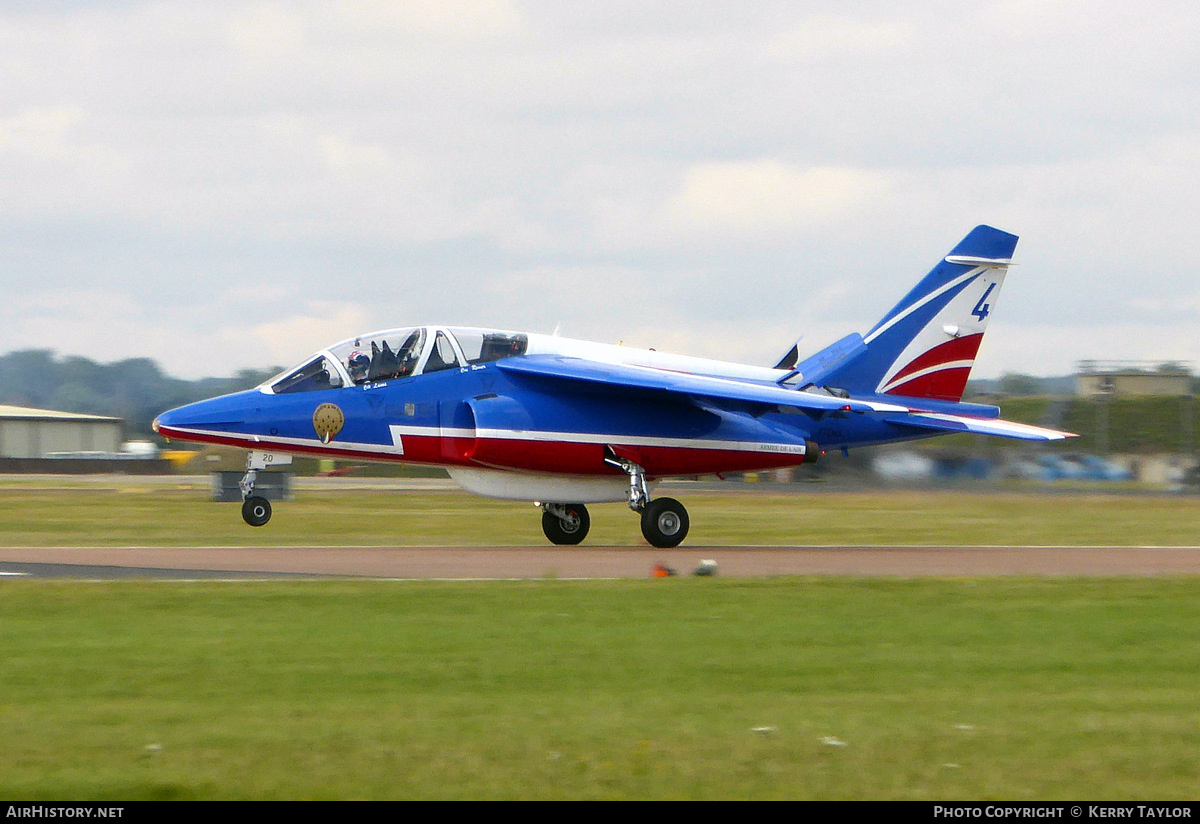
[358,364]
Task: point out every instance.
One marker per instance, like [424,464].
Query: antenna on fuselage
[557,329]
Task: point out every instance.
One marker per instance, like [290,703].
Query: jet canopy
[393,354]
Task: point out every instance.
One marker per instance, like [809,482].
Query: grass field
[907,689]
[1009,689]
[138,513]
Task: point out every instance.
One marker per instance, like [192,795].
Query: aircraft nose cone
[171,418]
[165,422]
[227,412]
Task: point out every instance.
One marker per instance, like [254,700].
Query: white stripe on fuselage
[398,442]
[277,443]
[398,432]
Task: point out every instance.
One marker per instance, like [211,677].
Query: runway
[496,563]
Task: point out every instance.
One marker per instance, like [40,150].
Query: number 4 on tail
[981,309]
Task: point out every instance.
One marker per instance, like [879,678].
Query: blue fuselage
[482,416]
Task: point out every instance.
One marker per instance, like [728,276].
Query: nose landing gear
[256,510]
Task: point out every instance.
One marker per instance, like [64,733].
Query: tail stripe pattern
[891,321]
[941,372]
[926,345]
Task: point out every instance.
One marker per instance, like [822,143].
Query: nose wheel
[565,524]
[256,510]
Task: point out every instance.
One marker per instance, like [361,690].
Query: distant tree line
[136,389]
[1016,384]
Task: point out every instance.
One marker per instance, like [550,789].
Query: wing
[623,376]
[979,426]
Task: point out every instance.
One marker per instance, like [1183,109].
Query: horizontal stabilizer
[970,260]
[620,377]
[789,360]
[979,426]
[815,368]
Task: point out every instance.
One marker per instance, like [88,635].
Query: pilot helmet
[358,364]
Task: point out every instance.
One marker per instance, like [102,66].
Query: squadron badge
[328,420]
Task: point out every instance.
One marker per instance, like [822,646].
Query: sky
[228,185]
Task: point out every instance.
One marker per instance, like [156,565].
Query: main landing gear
[256,510]
[664,520]
[565,524]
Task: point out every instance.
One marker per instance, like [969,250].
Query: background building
[1133,378]
[36,433]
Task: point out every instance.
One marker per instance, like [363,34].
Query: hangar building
[36,433]
[1133,378]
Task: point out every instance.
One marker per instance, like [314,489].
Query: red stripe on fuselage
[575,458]
[554,457]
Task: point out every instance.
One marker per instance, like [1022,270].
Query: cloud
[724,180]
[450,19]
[268,31]
[344,155]
[822,37]
[324,323]
[40,134]
[767,196]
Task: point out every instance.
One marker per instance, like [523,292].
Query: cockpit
[396,354]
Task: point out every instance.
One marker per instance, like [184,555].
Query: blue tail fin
[926,345]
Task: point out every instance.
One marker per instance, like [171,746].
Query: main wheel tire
[571,531]
[665,523]
[256,510]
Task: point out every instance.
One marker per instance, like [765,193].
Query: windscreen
[313,376]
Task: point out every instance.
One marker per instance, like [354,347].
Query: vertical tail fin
[925,346]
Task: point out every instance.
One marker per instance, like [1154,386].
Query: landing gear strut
[565,524]
[664,521]
[256,510]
